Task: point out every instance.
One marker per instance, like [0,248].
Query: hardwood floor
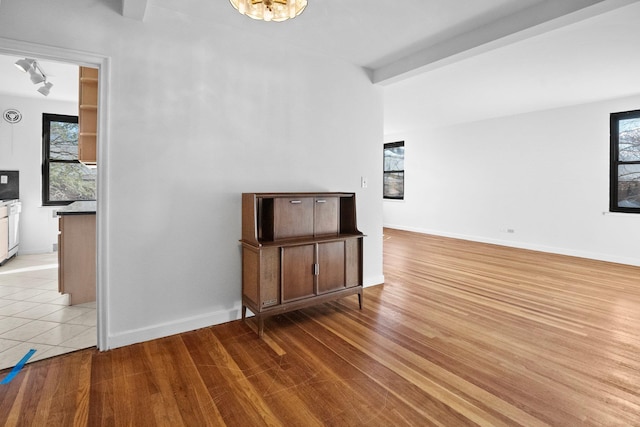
[461,333]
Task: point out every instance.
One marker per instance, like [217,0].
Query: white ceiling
[591,60]
[369,33]
[438,61]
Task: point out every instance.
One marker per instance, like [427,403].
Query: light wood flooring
[461,333]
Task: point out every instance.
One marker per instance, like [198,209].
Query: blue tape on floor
[18,367]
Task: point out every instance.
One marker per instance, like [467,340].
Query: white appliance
[9,196]
[13,209]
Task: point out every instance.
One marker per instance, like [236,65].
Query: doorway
[31,267]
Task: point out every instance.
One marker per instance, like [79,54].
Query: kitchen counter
[7,202]
[78,208]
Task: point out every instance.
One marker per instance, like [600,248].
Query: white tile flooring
[34,315]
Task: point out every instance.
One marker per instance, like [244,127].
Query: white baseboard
[178,326]
[525,245]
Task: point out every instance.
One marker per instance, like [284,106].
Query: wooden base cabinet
[77,258]
[298,249]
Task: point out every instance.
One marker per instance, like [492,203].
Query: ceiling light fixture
[36,74]
[36,77]
[25,65]
[44,89]
[270,10]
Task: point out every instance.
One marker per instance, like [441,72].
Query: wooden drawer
[326,216]
[3,211]
[293,217]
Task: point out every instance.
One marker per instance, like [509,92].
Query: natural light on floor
[27,269]
[34,315]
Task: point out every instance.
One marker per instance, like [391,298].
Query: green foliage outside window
[65,179]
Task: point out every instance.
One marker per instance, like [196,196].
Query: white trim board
[103,63]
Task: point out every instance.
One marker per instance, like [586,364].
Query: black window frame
[386,146]
[47,118]
[615,162]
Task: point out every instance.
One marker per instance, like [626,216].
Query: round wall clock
[12,115]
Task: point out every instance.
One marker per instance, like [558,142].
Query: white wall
[199,113]
[545,175]
[21,149]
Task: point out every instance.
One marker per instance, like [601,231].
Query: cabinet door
[292,217]
[60,260]
[4,238]
[353,262]
[78,257]
[297,272]
[331,266]
[326,216]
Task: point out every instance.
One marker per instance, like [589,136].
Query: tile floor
[33,315]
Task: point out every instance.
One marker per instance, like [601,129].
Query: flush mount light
[270,10]
[36,75]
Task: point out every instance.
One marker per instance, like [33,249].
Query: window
[393,172]
[624,194]
[64,178]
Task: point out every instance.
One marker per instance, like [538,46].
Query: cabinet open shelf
[88,115]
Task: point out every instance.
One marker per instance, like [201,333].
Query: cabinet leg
[244,312]
[360,300]
[260,326]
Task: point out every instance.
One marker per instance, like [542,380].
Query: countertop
[78,208]
[7,202]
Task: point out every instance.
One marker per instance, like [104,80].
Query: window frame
[386,146]
[615,162]
[47,119]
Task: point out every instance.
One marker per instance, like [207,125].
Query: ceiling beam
[134,9]
[535,20]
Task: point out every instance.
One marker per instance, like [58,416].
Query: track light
[36,75]
[44,89]
[25,65]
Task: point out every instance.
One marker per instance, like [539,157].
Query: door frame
[103,64]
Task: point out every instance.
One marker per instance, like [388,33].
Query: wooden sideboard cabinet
[298,249]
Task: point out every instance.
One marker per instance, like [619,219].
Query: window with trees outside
[64,178]
[624,193]
[393,171]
